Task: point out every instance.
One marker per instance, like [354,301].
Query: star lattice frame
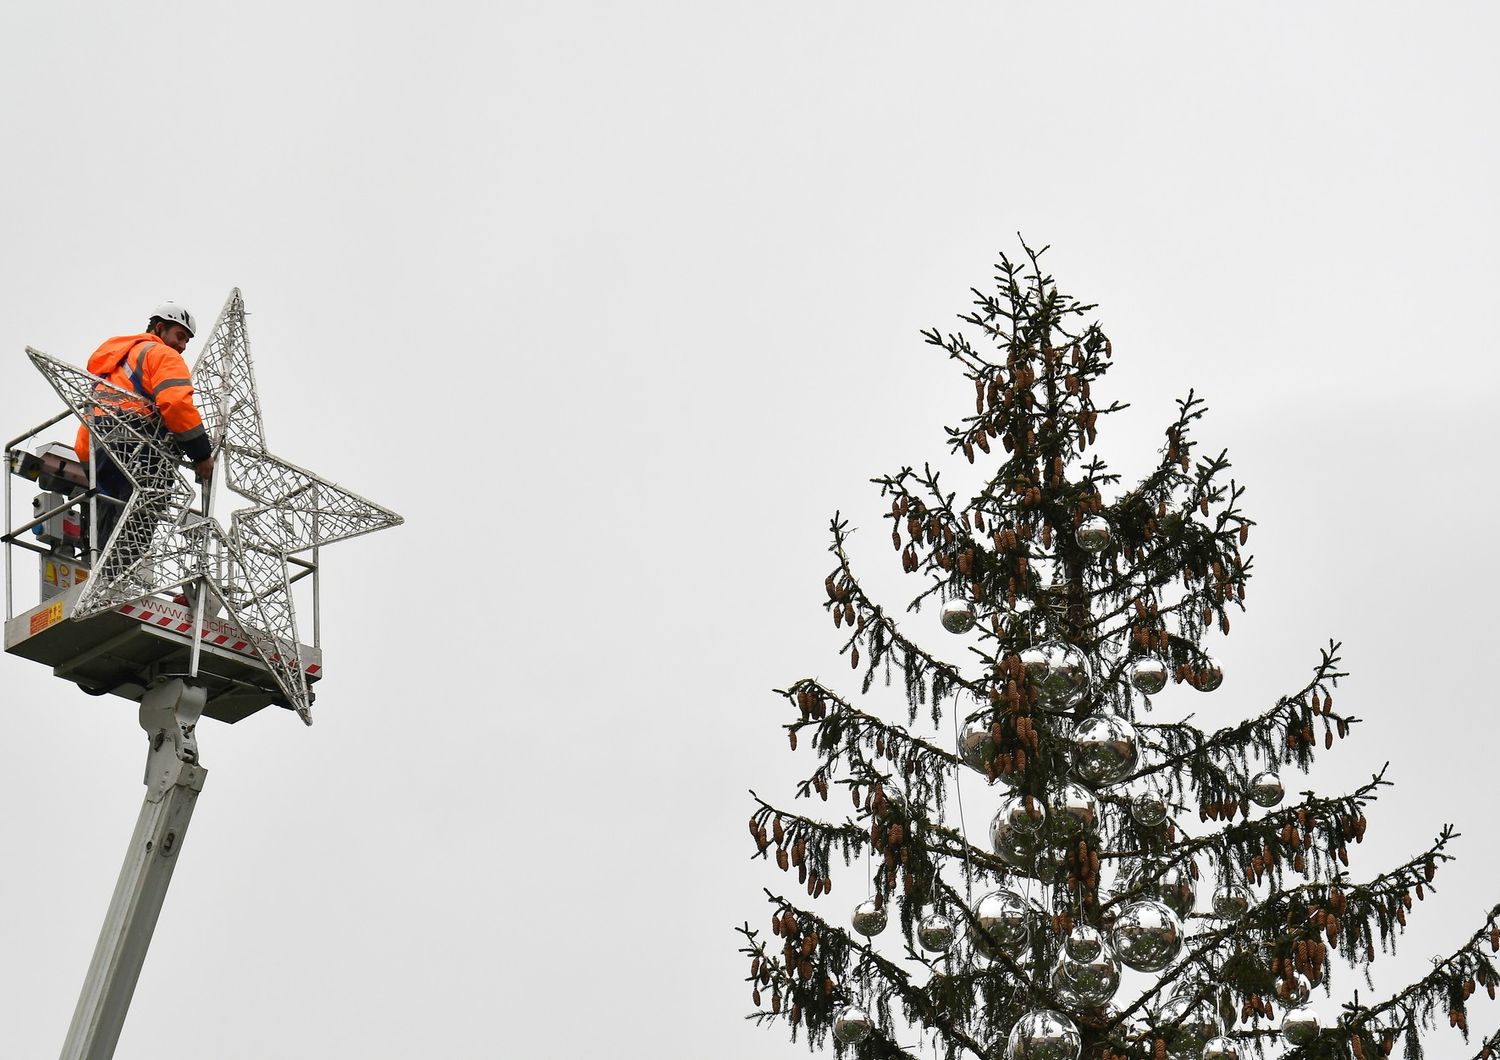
[161,543]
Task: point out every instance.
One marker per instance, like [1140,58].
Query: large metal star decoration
[162,543]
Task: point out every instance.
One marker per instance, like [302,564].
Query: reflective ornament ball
[1024,814]
[1062,989]
[1094,535]
[1001,922]
[1149,808]
[1093,982]
[1231,901]
[1300,1026]
[869,918]
[1148,675]
[1294,993]
[1036,663]
[1266,789]
[1084,943]
[1147,936]
[1196,1025]
[958,616]
[1176,889]
[936,933]
[1220,1049]
[1074,808]
[1207,675]
[1067,678]
[852,1025]
[975,746]
[896,807]
[1104,749]
[1173,885]
[1044,1034]
[1015,848]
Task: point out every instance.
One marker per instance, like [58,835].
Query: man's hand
[203,469]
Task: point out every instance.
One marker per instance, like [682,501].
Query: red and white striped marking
[217,632]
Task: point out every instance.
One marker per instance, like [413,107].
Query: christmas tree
[1145,889]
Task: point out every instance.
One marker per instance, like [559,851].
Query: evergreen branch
[913,999]
[1451,980]
[1183,743]
[1490,1048]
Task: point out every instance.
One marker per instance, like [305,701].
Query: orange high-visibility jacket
[157,375]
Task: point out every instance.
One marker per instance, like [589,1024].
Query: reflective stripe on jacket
[159,381]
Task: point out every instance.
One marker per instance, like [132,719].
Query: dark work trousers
[112,483]
[150,468]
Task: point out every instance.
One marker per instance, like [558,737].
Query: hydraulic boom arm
[169,714]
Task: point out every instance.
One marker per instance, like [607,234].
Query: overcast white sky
[616,304]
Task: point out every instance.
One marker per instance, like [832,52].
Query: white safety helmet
[175,314]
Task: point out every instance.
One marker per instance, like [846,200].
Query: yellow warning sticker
[42,619]
[63,575]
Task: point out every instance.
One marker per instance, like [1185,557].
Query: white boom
[169,714]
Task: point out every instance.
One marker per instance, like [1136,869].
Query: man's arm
[170,386]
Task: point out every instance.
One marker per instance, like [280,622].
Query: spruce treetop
[1144,888]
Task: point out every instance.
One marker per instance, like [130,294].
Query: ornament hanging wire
[958,794]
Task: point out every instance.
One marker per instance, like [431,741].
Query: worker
[149,367]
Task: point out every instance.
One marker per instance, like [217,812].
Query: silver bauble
[852,1025]
[1220,1049]
[1176,889]
[1015,848]
[1073,808]
[936,933]
[1036,662]
[1300,1026]
[974,744]
[1231,901]
[1207,675]
[1149,808]
[1093,982]
[1094,535]
[1001,923]
[1104,749]
[1084,943]
[1266,789]
[896,807]
[1067,678]
[1196,1025]
[1023,813]
[1148,675]
[1147,936]
[1297,994]
[958,616]
[1062,989]
[1044,1034]
[869,918]
[1173,885]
